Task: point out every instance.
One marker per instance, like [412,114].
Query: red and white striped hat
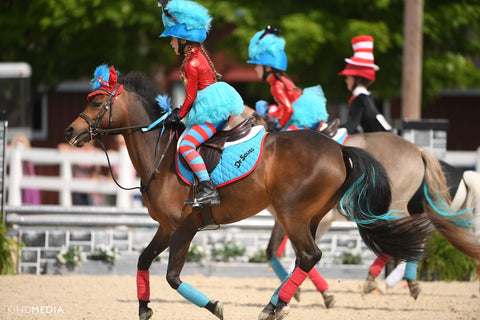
[362,52]
[362,63]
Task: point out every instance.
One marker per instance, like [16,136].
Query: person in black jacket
[359,73]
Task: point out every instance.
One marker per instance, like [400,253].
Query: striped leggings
[194,137]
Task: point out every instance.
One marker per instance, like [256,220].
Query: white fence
[65,183]
[125,212]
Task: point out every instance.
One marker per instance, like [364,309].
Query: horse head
[107,113]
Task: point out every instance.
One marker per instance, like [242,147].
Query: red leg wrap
[291,285]
[143,285]
[378,265]
[281,248]
[317,279]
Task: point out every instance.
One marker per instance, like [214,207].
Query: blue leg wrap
[274,298]
[411,271]
[280,271]
[193,295]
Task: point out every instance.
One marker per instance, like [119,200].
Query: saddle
[212,149]
[332,128]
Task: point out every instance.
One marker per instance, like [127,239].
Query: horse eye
[96,104]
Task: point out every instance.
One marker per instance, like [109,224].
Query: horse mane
[136,82]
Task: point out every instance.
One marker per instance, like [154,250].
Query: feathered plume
[100,77]
[163,101]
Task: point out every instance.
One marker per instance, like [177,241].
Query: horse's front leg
[179,245]
[159,243]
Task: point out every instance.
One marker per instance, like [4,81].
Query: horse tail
[454,226]
[365,198]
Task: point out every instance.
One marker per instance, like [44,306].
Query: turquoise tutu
[310,108]
[215,103]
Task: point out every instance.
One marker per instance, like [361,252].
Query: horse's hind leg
[179,245]
[308,255]
[154,248]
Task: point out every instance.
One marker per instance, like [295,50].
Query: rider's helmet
[362,63]
[268,49]
[185,20]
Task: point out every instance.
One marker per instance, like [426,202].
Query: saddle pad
[238,160]
[341,136]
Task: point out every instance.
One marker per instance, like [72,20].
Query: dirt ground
[83,297]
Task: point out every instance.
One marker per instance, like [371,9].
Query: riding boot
[206,196]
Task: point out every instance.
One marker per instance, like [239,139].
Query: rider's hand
[173,117]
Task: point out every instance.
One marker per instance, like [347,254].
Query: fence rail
[124,212]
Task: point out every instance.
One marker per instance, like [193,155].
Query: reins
[96,133]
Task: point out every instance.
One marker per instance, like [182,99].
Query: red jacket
[199,75]
[285,94]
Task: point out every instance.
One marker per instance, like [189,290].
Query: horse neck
[144,148]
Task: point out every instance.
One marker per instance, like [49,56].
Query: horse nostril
[68,133]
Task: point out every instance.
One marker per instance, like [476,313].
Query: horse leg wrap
[281,248]
[396,275]
[290,286]
[193,295]
[378,265]
[143,285]
[317,279]
[411,271]
[279,270]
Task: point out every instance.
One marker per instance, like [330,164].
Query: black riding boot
[207,195]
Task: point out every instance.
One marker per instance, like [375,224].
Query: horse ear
[112,80]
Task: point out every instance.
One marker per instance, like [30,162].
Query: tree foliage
[66,39]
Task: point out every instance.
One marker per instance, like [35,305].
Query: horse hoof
[329,301]
[369,286]
[297,295]
[415,289]
[219,310]
[146,315]
[282,313]
[268,313]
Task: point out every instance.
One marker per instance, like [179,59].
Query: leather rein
[96,133]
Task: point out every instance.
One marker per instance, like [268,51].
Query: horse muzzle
[77,139]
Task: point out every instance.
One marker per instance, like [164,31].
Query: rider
[359,75]
[296,109]
[209,103]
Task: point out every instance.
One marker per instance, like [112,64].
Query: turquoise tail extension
[444,209]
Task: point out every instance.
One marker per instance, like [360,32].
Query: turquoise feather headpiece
[268,49]
[186,20]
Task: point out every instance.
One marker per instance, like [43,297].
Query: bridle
[96,133]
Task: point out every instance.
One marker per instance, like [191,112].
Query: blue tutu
[309,109]
[215,103]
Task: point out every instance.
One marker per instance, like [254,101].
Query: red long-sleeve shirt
[199,75]
[284,96]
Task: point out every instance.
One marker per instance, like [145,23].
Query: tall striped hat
[362,63]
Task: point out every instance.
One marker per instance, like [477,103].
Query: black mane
[137,83]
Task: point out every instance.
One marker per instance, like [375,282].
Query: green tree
[66,39]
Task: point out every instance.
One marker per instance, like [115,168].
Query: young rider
[209,103]
[359,75]
[295,109]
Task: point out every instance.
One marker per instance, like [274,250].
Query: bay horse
[301,174]
[410,169]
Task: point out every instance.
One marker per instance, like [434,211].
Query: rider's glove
[173,117]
